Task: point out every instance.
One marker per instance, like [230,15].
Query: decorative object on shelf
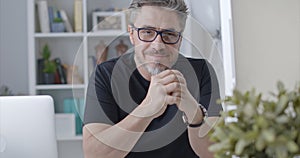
[49,66]
[59,21]
[259,127]
[109,21]
[57,25]
[101,52]
[121,48]
[91,64]
[75,106]
[73,76]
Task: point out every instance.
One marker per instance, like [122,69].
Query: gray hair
[177,5]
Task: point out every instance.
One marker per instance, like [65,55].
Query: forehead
[158,17]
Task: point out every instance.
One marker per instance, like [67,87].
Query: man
[135,103]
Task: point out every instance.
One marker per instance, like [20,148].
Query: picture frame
[109,21]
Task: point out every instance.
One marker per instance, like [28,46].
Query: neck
[142,70]
[146,75]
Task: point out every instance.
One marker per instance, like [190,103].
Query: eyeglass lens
[149,35]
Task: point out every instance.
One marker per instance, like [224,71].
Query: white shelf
[107,34]
[49,35]
[71,138]
[57,86]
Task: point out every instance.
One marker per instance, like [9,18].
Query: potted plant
[58,25]
[260,128]
[49,66]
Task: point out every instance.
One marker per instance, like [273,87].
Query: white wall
[13,45]
[267,43]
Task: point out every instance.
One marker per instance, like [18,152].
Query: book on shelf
[60,71]
[40,73]
[42,8]
[78,16]
[51,17]
[65,18]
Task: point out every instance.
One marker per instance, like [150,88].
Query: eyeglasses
[149,35]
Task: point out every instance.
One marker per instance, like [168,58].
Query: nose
[158,44]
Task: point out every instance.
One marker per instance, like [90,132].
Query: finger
[179,76]
[176,94]
[180,79]
[172,100]
[164,73]
[177,72]
[173,87]
[168,79]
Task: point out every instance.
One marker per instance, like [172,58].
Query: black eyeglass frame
[157,33]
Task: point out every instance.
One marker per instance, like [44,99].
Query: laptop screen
[27,127]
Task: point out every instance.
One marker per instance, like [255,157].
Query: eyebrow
[151,27]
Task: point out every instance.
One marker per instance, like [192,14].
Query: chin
[155,69]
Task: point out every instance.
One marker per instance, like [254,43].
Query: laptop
[27,128]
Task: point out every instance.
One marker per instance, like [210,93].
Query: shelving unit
[73,48]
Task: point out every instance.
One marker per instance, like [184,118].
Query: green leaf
[261,122]
[282,104]
[281,152]
[235,129]
[49,67]
[260,143]
[224,145]
[251,135]
[282,119]
[280,86]
[292,147]
[219,133]
[46,52]
[216,147]
[58,20]
[269,135]
[240,145]
[249,110]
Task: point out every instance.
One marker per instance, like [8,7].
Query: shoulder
[124,60]
[199,65]
[120,65]
[109,64]
[197,62]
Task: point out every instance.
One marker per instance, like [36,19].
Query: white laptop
[27,128]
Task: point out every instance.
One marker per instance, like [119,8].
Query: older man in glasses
[151,102]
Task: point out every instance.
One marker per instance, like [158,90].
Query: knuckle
[177,85]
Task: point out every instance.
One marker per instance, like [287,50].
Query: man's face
[154,57]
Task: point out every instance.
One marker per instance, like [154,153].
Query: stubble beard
[153,68]
[158,68]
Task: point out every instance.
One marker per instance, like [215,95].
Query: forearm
[199,138]
[113,141]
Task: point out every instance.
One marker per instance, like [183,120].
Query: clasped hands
[167,88]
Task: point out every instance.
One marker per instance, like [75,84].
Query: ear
[130,31]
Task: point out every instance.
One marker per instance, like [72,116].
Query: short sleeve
[100,106]
[209,90]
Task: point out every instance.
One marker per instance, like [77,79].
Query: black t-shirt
[117,88]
